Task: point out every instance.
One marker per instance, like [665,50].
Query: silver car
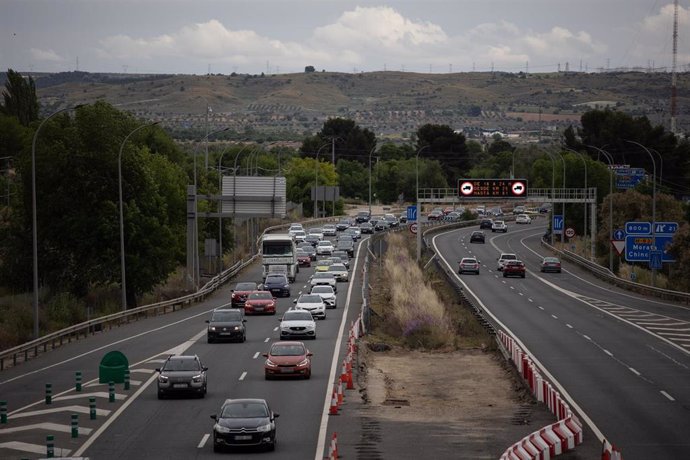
[182,374]
[327,295]
[313,303]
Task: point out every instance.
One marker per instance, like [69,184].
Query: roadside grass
[418,309]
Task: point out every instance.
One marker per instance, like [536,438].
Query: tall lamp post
[122,220]
[316,180]
[609,160]
[553,191]
[34,228]
[370,153]
[419,211]
[651,157]
[584,162]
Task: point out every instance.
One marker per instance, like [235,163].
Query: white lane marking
[275,329]
[244,374]
[154,361]
[267,339]
[75,409]
[634,371]
[670,398]
[520,293]
[202,443]
[586,337]
[256,355]
[540,307]
[126,339]
[180,349]
[569,326]
[504,281]
[33,448]
[608,353]
[46,426]
[97,394]
[512,287]
[554,316]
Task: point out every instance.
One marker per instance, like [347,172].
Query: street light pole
[609,160]
[34,228]
[419,211]
[122,220]
[651,157]
[584,162]
[553,191]
[370,152]
[316,180]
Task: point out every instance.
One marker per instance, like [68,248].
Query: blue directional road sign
[618,234]
[665,228]
[557,224]
[638,248]
[629,177]
[655,259]
[412,213]
[638,228]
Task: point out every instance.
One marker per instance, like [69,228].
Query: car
[447,210]
[347,246]
[499,226]
[468,265]
[343,224]
[362,216]
[436,214]
[326,278]
[402,218]
[295,228]
[379,224]
[340,272]
[366,227]
[318,231]
[343,256]
[477,237]
[260,302]
[329,230]
[297,324]
[244,423]
[523,219]
[312,239]
[452,216]
[323,265]
[519,210]
[391,219]
[182,374]
[304,259]
[514,268]
[496,212]
[287,359]
[309,249]
[238,294]
[324,248]
[327,294]
[355,232]
[299,236]
[505,256]
[486,224]
[313,303]
[545,208]
[277,284]
[551,264]
[226,324]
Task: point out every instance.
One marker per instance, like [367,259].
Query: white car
[327,294]
[323,278]
[313,303]
[324,248]
[329,230]
[339,271]
[502,260]
[316,231]
[297,324]
[299,236]
[523,219]
[294,228]
[499,226]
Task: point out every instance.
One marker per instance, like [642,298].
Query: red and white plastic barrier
[553,439]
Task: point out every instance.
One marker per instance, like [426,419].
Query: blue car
[278,284]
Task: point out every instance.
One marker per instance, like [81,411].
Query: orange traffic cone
[343,373]
[333,410]
[350,383]
[334,447]
[341,395]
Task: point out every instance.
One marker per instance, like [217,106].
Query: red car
[240,293]
[303,259]
[288,359]
[260,302]
[513,268]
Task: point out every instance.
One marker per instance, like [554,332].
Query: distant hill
[391,104]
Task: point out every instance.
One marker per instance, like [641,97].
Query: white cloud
[45,55]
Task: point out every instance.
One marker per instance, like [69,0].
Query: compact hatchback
[277,285]
[182,374]
[287,359]
[477,237]
[503,259]
[260,302]
[240,292]
[226,324]
[297,324]
[468,265]
[551,264]
[244,423]
[499,226]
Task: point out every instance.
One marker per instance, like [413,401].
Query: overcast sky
[284,36]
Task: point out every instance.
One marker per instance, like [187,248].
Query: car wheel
[161,395]
[272,446]
[209,340]
[216,447]
[307,376]
[523,275]
[505,275]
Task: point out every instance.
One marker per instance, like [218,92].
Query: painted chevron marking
[54,410]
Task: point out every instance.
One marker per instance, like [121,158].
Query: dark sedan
[514,268]
[278,285]
[477,237]
[182,374]
[226,324]
[244,423]
[551,264]
[486,223]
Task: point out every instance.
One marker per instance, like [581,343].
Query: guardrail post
[3,412]
[92,407]
[49,393]
[77,385]
[127,379]
[75,425]
[50,446]
[111,391]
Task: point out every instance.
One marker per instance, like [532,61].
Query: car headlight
[303,362]
[162,379]
[270,363]
[237,328]
[212,328]
[220,428]
[285,286]
[264,428]
[197,378]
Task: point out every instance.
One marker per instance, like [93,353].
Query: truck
[279,249]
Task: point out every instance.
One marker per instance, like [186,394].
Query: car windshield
[310,299]
[245,286]
[322,290]
[508,257]
[276,279]
[324,243]
[550,260]
[297,316]
[323,275]
[336,268]
[281,349]
[227,315]
[178,364]
[244,410]
[260,296]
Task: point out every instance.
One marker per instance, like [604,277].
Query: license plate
[242,437]
[225,333]
[259,308]
[287,370]
[179,385]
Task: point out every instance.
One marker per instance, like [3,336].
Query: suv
[514,268]
[485,223]
[277,284]
[182,374]
[499,226]
[362,216]
[226,324]
[505,256]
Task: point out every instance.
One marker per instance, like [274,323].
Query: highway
[622,360]
[138,424]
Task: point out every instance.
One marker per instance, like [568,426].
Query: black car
[477,237]
[278,284]
[182,374]
[366,227]
[226,324]
[362,216]
[343,224]
[309,249]
[312,239]
[244,423]
[486,223]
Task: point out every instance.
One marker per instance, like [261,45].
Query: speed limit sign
[413,228]
[570,232]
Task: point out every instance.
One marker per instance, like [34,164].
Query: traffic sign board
[618,245]
[619,235]
[665,228]
[570,232]
[413,228]
[629,177]
[638,247]
[492,188]
[466,188]
[412,213]
[557,224]
[638,228]
[655,259]
[518,188]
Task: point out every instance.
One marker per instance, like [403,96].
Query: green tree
[350,141]
[353,179]
[20,98]
[300,176]
[446,146]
